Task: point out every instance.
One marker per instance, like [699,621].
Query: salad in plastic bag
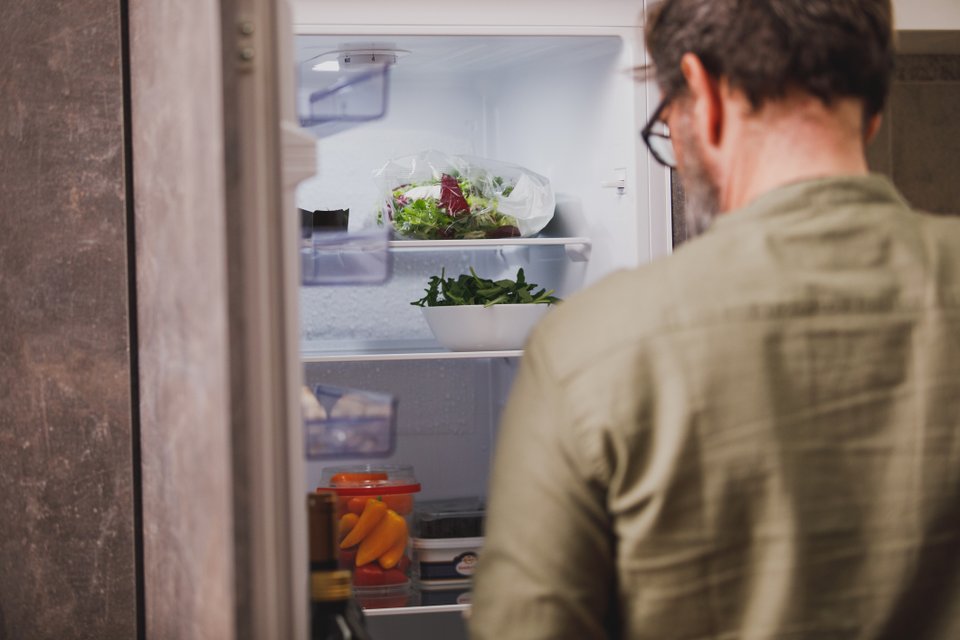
[434,196]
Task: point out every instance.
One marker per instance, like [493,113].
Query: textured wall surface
[177,115]
[919,144]
[67,566]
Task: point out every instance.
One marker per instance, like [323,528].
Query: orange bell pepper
[390,559]
[373,513]
[346,524]
[391,529]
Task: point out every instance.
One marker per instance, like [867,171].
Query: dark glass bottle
[334,614]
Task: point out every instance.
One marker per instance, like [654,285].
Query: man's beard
[701,195]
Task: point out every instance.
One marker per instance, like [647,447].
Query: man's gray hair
[765,48]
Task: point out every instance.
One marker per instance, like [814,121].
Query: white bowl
[499,327]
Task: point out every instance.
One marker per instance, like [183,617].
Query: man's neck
[790,142]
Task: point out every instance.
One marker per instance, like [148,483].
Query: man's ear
[706,100]
[873,126]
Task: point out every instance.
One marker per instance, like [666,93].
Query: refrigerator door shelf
[345,258]
[343,99]
[347,423]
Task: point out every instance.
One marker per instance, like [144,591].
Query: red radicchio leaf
[507,231]
[451,197]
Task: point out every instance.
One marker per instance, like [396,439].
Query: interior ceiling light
[360,57]
[327,65]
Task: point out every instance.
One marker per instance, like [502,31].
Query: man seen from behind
[759,436]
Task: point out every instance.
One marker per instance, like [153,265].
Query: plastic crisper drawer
[348,423]
[343,99]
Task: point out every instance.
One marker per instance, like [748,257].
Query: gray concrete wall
[67,554]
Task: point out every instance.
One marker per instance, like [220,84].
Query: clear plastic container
[329,103]
[347,423]
[346,258]
[401,595]
[451,518]
[441,560]
[374,510]
[449,536]
[445,592]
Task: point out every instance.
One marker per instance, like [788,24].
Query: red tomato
[371,575]
[394,576]
[357,504]
[402,503]
[404,564]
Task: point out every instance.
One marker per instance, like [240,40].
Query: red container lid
[370,480]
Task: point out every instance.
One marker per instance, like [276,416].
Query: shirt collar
[815,195]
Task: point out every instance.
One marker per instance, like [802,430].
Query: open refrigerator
[544,85]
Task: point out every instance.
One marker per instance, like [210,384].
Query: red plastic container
[375,508]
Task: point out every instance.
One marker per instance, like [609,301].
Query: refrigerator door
[267,154]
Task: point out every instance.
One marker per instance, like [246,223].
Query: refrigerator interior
[564,106]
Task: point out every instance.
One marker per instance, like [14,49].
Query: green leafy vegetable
[464,209]
[472,289]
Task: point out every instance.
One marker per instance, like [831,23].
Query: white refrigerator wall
[573,119]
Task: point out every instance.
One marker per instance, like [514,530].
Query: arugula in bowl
[471,289]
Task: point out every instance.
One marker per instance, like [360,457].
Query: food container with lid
[374,512]
[450,518]
[449,535]
[444,592]
[446,559]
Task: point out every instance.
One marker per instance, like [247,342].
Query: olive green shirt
[757,437]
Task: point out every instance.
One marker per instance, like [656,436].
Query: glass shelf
[363,257]
[311,353]
[417,609]
[578,249]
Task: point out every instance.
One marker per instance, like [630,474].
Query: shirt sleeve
[546,568]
